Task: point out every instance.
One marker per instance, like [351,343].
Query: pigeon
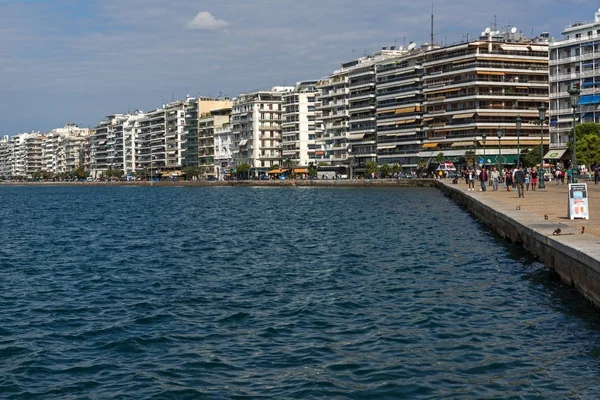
[557,232]
[545,216]
[582,230]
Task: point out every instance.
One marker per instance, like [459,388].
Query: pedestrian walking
[471,176]
[509,180]
[520,181]
[495,179]
[483,177]
[534,179]
[527,180]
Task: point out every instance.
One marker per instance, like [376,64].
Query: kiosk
[578,201]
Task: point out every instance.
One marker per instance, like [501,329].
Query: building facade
[299,125]
[574,60]
[208,123]
[256,129]
[476,90]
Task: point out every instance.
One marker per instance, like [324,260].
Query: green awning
[502,159]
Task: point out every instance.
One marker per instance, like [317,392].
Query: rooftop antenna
[431,33]
[495,25]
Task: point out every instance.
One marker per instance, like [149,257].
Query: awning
[513,142]
[427,119]
[489,114]
[406,121]
[463,144]
[591,99]
[443,91]
[277,171]
[405,110]
[387,146]
[555,154]
[514,48]
[301,170]
[539,48]
[490,73]
[429,145]
[356,136]
[463,116]
[243,142]
[386,123]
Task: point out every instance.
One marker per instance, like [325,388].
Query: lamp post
[574,95]
[499,134]
[518,126]
[483,139]
[542,171]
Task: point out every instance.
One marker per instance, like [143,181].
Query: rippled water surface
[182,293]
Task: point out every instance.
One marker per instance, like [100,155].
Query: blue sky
[77,61]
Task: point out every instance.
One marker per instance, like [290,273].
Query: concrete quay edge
[575,257]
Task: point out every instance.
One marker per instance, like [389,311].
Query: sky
[76,61]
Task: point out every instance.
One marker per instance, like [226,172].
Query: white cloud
[205,21]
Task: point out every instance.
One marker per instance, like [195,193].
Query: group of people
[517,178]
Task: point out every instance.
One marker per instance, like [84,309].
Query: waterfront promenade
[551,202]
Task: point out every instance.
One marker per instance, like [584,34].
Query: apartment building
[399,97]
[574,60]
[208,123]
[333,108]
[474,90]
[256,129]
[198,146]
[299,125]
[6,151]
[65,149]
[27,154]
[223,150]
[349,111]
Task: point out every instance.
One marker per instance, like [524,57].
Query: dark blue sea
[278,293]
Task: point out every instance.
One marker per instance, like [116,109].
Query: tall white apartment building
[6,151]
[256,128]
[333,107]
[574,60]
[299,125]
[400,109]
[349,110]
[65,149]
[223,150]
[27,154]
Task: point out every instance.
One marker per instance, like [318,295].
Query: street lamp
[518,125]
[499,134]
[483,139]
[542,171]
[574,95]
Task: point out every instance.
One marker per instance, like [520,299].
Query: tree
[588,150]
[242,170]
[81,173]
[439,158]
[532,157]
[312,169]
[397,168]
[385,170]
[371,167]
[273,167]
[289,164]
[470,158]
[190,172]
[422,163]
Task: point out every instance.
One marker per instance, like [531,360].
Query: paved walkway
[551,202]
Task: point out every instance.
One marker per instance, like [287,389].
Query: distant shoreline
[277,183]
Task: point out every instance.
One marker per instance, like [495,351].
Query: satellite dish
[483,33]
[487,30]
[513,30]
[497,32]
[411,46]
[401,48]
